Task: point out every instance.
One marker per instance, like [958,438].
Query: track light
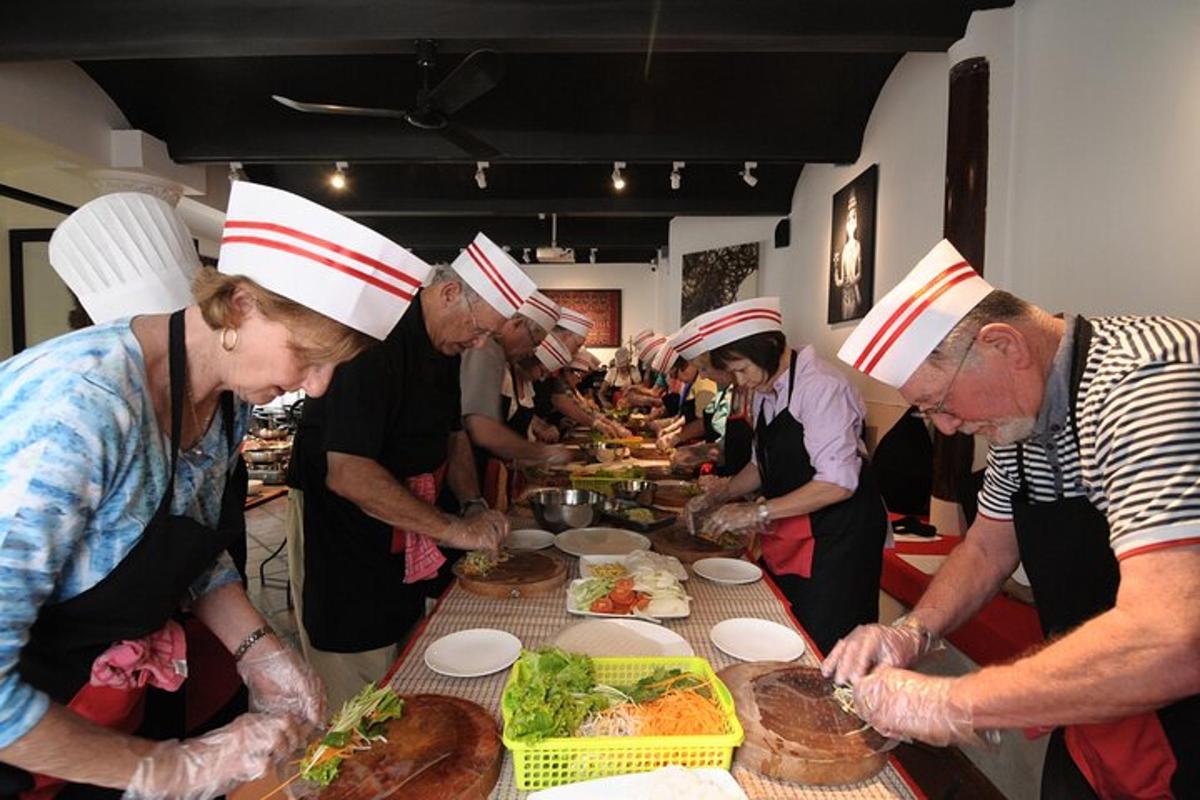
[676,178]
[748,174]
[338,179]
[480,175]
[236,173]
[525,255]
[617,178]
[592,255]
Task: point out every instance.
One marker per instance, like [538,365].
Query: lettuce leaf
[550,695]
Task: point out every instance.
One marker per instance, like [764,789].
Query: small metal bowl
[557,510]
[639,491]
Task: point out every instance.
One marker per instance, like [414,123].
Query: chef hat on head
[649,348]
[729,323]
[125,254]
[642,337]
[585,360]
[912,319]
[318,258]
[552,353]
[666,355]
[540,309]
[494,275]
[574,321]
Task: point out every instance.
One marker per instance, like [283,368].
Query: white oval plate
[644,614]
[472,653]
[727,570]
[751,639]
[600,542]
[622,637]
[529,539]
[718,783]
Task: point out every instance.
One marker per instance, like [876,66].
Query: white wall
[642,292]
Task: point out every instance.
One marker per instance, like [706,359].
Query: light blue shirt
[83,466]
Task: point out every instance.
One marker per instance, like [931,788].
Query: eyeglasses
[940,408]
[478,331]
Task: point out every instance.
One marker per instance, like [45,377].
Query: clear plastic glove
[281,683]
[667,439]
[867,646]
[902,704]
[545,432]
[694,455]
[556,454]
[211,765]
[484,531]
[733,517]
[714,495]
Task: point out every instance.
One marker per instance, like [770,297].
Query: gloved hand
[902,704]
[667,439]
[216,762]
[736,517]
[693,455]
[867,646]
[281,683]
[484,531]
[714,495]
[545,432]
[556,454]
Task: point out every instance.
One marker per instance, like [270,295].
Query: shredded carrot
[681,713]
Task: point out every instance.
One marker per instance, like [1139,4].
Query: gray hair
[444,273]
[997,306]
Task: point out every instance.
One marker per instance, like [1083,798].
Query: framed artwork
[601,306]
[852,248]
[713,278]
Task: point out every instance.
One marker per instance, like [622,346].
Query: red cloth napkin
[422,558]
[159,660]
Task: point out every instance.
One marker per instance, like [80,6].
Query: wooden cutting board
[678,542]
[441,748]
[525,574]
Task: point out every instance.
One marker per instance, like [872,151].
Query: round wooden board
[524,574]
[678,542]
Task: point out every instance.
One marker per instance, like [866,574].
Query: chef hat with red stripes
[575,322]
[553,354]
[642,337]
[318,258]
[665,356]
[912,319]
[727,324]
[649,347]
[494,276]
[541,309]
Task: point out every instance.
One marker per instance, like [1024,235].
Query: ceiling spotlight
[480,175]
[592,254]
[525,255]
[748,174]
[236,173]
[676,178]
[617,178]
[338,179]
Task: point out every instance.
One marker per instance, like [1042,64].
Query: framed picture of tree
[713,278]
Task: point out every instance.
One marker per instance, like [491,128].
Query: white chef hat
[649,348]
[574,321]
[643,336]
[318,258]
[552,353]
[125,254]
[729,323]
[541,309]
[494,275]
[665,356]
[912,319]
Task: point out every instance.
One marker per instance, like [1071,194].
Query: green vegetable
[623,473]
[589,590]
[551,693]
[361,722]
[646,689]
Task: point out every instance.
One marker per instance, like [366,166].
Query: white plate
[752,639]
[617,616]
[474,652]
[727,570]
[600,542]
[529,539]
[648,786]
[670,564]
[1019,575]
[622,637]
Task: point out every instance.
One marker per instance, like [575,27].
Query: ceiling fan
[477,75]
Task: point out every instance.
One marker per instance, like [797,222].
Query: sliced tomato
[623,585]
[602,606]
[625,598]
[642,601]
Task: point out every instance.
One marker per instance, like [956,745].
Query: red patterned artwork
[601,306]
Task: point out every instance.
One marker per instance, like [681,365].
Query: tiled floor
[265,534]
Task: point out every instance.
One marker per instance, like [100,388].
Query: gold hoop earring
[226,345]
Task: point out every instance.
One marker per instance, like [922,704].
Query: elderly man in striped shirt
[1093,483]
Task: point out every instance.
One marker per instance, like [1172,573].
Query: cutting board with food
[440,748]
[520,573]
[799,728]
[678,542]
[674,494]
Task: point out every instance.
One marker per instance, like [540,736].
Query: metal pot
[265,456]
[557,510]
[639,491]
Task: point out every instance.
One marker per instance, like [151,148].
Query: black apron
[1074,575]
[142,593]
[848,537]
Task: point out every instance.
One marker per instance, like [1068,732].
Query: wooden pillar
[964,224]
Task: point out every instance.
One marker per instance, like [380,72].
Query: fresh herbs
[551,694]
[361,722]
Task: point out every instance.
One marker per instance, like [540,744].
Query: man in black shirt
[365,468]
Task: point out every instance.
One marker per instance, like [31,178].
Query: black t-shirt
[397,404]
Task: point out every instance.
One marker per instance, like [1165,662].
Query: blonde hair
[315,338]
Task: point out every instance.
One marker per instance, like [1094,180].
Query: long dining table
[537,621]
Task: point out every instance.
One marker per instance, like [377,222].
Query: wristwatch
[764,513]
[474,501]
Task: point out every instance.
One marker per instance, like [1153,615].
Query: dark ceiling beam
[604,255]
[456,232]
[69,29]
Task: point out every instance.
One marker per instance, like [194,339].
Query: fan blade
[477,75]
[467,142]
[329,108]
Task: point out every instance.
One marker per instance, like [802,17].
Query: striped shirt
[1137,417]
[84,465]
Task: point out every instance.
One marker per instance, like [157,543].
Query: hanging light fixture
[525,255]
[236,173]
[747,173]
[338,179]
[676,178]
[618,179]
[480,174]
[592,254]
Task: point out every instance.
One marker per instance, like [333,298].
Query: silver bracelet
[250,641]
